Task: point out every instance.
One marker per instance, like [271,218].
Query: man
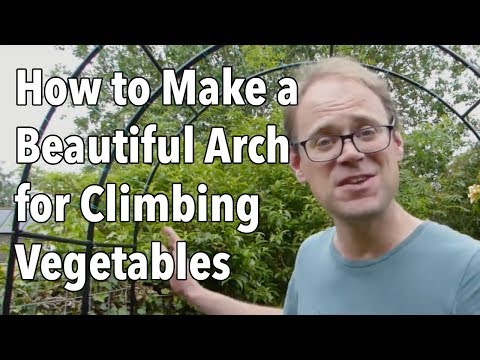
[378,258]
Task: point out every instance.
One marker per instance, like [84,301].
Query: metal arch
[89,243]
[438,97]
[457,57]
[467,64]
[471,108]
[24,178]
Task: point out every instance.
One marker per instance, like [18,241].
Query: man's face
[354,186]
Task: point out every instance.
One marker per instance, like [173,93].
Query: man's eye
[366,132]
[324,141]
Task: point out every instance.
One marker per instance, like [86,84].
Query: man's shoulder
[318,239]
[442,231]
[445,238]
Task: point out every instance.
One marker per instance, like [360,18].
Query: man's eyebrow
[327,129]
[330,127]
[366,119]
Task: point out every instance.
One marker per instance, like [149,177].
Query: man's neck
[373,237]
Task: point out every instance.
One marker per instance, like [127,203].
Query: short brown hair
[342,67]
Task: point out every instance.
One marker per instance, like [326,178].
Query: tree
[8,186]
[451,198]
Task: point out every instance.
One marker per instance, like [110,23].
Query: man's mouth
[354,180]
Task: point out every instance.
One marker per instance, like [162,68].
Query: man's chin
[358,210]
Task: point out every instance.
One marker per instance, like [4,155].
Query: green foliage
[7,187]
[430,146]
[452,193]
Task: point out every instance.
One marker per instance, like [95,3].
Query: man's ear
[295,165]
[399,144]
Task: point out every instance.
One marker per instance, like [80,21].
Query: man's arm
[213,303]
[210,302]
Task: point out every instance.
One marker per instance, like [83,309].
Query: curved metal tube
[24,178]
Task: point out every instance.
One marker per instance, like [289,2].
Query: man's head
[338,96]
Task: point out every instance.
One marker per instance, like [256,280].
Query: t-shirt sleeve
[290,306]
[468,296]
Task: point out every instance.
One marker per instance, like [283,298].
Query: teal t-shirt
[436,270]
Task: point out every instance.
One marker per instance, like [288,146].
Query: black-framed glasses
[367,140]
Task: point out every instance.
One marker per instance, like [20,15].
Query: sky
[12,116]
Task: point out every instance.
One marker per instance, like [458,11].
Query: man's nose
[350,152]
